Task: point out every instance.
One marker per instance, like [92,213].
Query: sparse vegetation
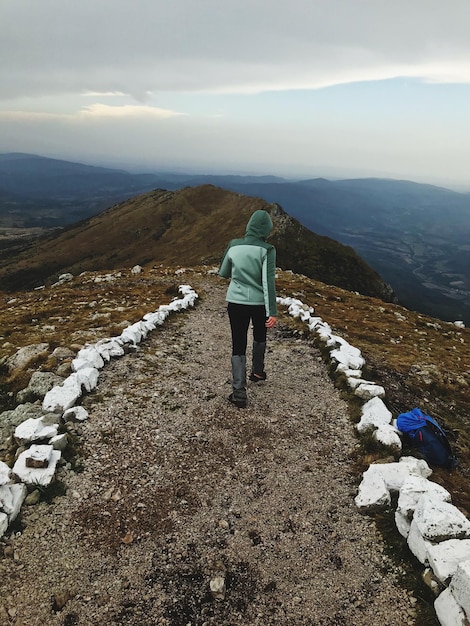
[366,323]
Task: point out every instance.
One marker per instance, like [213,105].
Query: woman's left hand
[271,321]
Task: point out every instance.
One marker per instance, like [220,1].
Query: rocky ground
[183,510]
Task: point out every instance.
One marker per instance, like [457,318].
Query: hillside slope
[189,227]
[168,401]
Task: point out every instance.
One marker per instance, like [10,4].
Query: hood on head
[259,225]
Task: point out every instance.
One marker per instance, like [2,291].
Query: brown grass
[80,311]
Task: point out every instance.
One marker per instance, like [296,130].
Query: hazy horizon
[220,170]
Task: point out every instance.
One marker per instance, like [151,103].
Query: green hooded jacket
[250,263]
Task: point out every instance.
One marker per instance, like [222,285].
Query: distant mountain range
[417,237]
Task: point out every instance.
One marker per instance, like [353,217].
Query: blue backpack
[425,434]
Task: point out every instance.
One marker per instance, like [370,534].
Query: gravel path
[180,491]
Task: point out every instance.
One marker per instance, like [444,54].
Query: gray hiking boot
[238,395]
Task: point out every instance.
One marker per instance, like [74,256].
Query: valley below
[427,276]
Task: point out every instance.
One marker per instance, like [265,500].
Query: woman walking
[250,263]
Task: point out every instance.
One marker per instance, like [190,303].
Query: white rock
[66,277]
[337,342]
[305,316]
[144,328]
[418,545]
[132,334]
[88,357]
[388,436]
[156,318]
[418,467]
[136,269]
[353,381]
[34,429]
[148,326]
[164,311]
[288,300]
[349,373]
[403,524]
[75,414]
[176,305]
[372,492]
[444,557]
[72,381]
[438,520]
[413,488]
[190,299]
[3,523]
[4,473]
[374,413]
[11,498]
[460,586]
[217,587]
[38,455]
[88,377]
[294,306]
[367,390]
[36,475]
[381,478]
[348,355]
[395,474]
[109,348]
[448,611]
[324,332]
[314,322]
[62,397]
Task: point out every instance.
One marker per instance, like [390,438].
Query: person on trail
[250,263]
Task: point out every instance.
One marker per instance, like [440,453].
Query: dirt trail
[178,489]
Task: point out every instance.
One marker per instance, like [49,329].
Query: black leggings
[240,316]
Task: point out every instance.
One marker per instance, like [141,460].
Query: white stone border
[437,533]
[37,464]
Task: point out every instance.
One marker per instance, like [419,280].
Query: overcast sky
[289,87]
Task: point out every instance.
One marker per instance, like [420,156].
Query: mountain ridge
[414,235]
[191,226]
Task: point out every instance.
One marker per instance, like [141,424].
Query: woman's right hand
[271,321]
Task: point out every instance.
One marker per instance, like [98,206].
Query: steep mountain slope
[191,226]
[416,236]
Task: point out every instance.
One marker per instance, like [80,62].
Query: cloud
[298,83]
[238,46]
[103,94]
[127,110]
[97,110]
